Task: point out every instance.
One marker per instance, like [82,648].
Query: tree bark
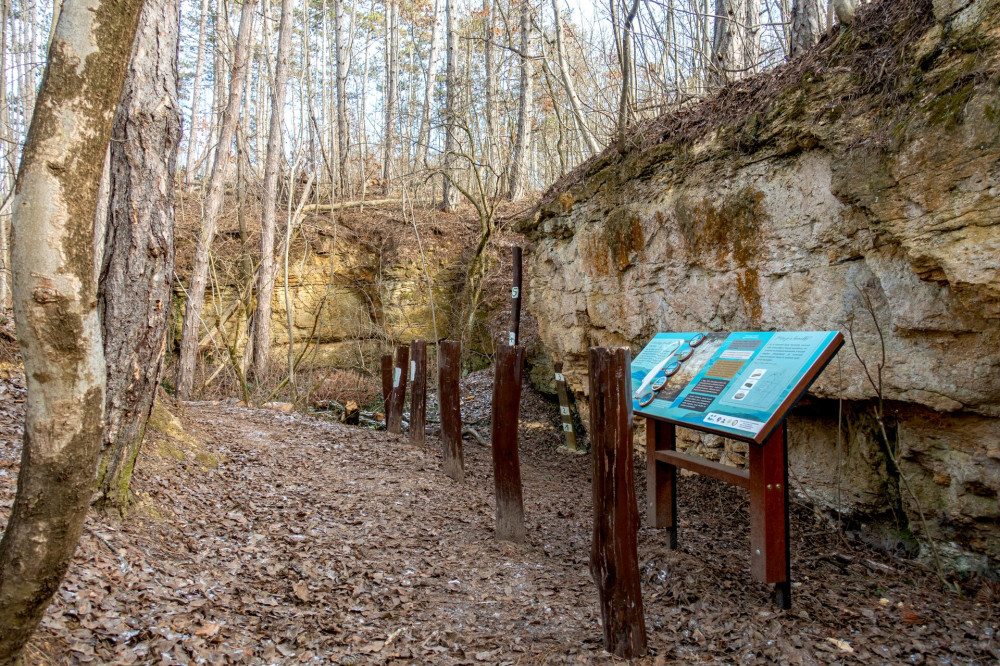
[735,41]
[266,271]
[451,107]
[424,133]
[196,94]
[55,307]
[138,265]
[492,147]
[806,26]
[518,167]
[567,80]
[213,203]
[391,94]
[343,57]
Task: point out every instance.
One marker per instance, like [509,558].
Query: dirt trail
[311,542]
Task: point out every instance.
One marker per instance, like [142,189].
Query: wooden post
[564,414]
[418,391]
[450,408]
[387,386]
[398,399]
[614,556]
[515,294]
[661,479]
[506,463]
[769,545]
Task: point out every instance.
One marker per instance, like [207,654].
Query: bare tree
[134,289]
[391,93]
[196,94]
[519,162]
[567,81]
[266,270]
[55,307]
[213,203]
[424,133]
[448,199]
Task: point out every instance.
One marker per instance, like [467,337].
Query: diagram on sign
[738,384]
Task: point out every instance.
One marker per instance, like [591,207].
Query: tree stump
[506,463]
[352,413]
[614,556]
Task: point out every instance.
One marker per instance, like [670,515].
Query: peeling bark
[55,306]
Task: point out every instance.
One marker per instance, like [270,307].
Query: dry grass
[345,386]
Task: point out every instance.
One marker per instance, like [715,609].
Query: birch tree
[55,306]
[134,289]
[266,270]
[213,204]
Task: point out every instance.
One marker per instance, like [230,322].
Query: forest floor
[264,537]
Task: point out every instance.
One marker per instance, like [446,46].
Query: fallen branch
[326,208]
[476,436]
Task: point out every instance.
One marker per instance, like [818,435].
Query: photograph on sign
[731,383]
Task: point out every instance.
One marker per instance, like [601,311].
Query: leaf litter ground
[286,538]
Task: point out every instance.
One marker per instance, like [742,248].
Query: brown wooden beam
[450,408]
[418,391]
[661,479]
[769,544]
[395,421]
[733,475]
[506,462]
[387,386]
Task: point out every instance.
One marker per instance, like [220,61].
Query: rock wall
[857,189]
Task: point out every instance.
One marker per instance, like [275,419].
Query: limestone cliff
[856,189]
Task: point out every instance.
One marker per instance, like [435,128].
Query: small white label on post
[559,377]
[564,410]
[395,377]
[512,339]
[515,292]
[413,370]
[567,427]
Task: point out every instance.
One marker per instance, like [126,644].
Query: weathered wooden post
[418,390]
[770,560]
[450,407]
[398,399]
[387,386]
[515,295]
[614,556]
[503,437]
[564,414]
[661,479]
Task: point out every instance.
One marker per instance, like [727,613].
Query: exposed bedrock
[855,198]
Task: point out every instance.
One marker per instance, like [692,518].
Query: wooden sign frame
[766,478]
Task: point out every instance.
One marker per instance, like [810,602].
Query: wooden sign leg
[387,386]
[614,556]
[506,462]
[418,391]
[661,479]
[450,408]
[395,422]
[565,417]
[769,542]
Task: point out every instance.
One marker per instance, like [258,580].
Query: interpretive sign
[739,385]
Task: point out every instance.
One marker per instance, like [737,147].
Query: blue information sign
[739,385]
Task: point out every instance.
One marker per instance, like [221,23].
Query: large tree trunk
[391,93]
[213,203]
[265,271]
[134,291]
[55,307]
[451,107]
[806,26]
[567,81]
[424,133]
[519,163]
[735,41]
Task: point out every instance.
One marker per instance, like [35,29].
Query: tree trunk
[518,167]
[343,58]
[391,93]
[451,107]
[55,308]
[492,146]
[567,80]
[735,41]
[424,133]
[138,265]
[213,203]
[806,26]
[265,271]
[196,94]
[626,101]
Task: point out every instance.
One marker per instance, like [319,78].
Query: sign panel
[739,385]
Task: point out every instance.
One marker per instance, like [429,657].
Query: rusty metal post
[514,338]
[418,390]
[387,386]
[614,557]
[564,414]
[770,560]
[450,407]
[398,399]
[506,463]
